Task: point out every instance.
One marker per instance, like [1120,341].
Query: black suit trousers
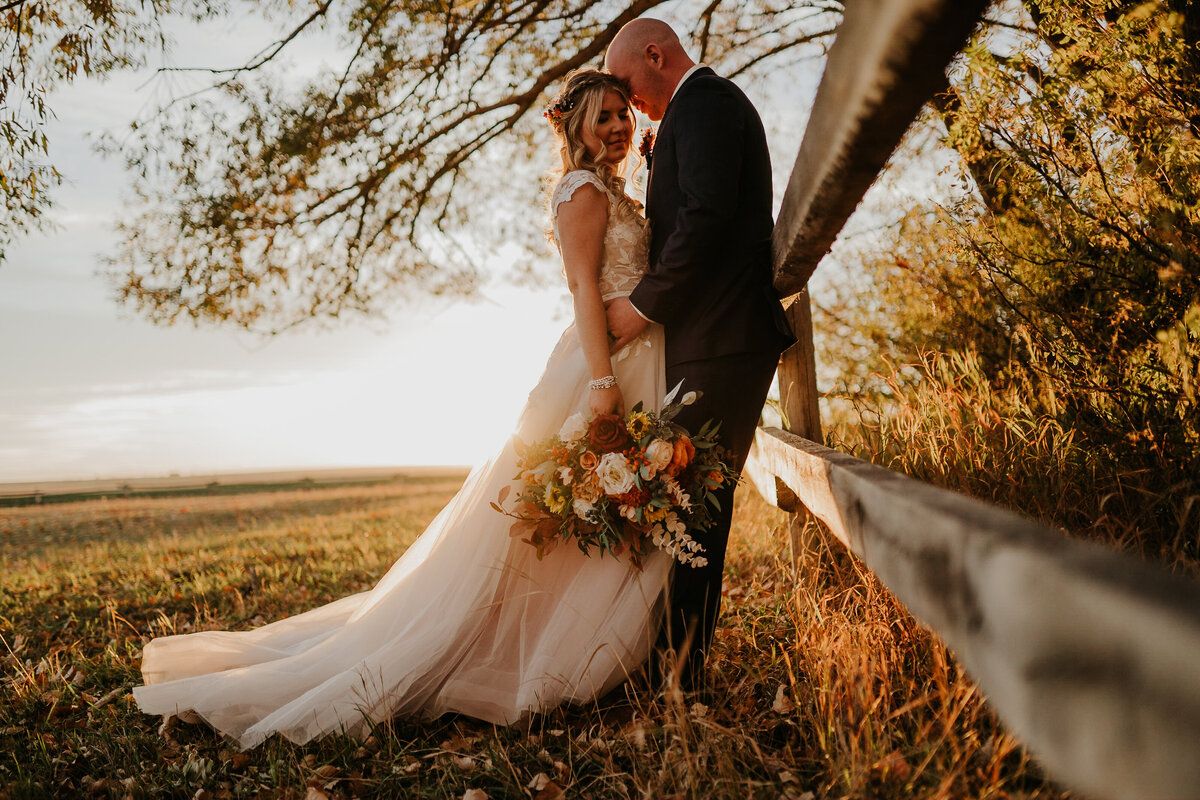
[733,389]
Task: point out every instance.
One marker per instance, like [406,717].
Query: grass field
[822,686]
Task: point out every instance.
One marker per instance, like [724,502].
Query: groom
[709,283]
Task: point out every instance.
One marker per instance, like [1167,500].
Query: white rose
[582,508]
[659,453]
[574,428]
[615,475]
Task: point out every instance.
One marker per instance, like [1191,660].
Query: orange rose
[589,460]
[685,451]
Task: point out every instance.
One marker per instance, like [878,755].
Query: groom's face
[641,73]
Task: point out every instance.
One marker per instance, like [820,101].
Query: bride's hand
[606,401]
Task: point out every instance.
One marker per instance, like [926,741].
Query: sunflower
[556,499]
[638,424]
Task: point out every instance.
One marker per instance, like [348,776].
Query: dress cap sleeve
[570,183]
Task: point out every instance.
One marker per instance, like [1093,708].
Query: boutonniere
[646,145]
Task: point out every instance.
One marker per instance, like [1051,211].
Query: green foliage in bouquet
[621,485]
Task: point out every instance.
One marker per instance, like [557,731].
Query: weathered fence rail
[1091,657]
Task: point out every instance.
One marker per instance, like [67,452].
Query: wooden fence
[1091,657]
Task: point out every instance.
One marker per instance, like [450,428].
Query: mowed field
[821,685]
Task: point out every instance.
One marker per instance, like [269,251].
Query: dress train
[467,620]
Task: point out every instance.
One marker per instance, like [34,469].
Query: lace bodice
[626,241]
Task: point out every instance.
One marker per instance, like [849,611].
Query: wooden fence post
[799,407]
[798,374]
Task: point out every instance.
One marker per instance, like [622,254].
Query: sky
[89,390]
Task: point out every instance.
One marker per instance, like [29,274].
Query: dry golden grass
[822,686]
[952,428]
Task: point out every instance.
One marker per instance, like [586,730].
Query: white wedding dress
[468,620]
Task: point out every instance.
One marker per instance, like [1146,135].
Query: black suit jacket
[709,204]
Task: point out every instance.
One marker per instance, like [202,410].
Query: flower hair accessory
[558,109]
[646,144]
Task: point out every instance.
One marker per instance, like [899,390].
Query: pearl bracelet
[607,382]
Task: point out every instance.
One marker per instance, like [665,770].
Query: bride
[468,620]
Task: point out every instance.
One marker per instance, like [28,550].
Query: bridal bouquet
[621,484]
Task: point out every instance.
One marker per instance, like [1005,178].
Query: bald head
[648,56]
[634,36]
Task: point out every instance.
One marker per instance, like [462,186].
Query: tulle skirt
[467,620]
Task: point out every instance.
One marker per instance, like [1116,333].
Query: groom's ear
[654,55]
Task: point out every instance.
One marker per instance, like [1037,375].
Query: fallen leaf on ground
[328,771]
[783,704]
[894,765]
[791,793]
[551,791]
[458,742]
[635,733]
[108,698]
[92,785]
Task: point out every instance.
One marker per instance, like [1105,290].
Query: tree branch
[263,56]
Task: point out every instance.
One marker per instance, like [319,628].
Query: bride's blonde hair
[577,108]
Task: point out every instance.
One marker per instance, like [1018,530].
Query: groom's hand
[624,322]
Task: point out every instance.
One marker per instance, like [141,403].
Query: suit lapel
[663,125]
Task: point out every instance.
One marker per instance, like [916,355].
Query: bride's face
[613,132]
